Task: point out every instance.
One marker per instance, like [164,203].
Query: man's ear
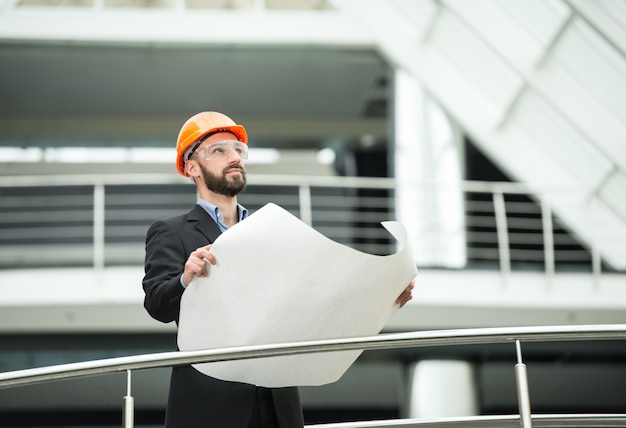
[191,168]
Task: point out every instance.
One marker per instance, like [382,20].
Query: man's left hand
[406,295]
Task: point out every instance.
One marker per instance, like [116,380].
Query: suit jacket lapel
[204,223]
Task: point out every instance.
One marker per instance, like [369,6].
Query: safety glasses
[222,150]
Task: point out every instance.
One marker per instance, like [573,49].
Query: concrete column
[427,169]
[442,388]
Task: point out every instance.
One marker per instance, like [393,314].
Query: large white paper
[278,280]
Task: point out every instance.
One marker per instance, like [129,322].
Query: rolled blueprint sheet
[278,280]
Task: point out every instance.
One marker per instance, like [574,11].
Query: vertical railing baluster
[502,231]
[523,396]
[98,226]
[596,257]
[128,413]
[306,209]
[548,240]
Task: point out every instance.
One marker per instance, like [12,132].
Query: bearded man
[211,150]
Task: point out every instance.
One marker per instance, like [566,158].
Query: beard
[221,184]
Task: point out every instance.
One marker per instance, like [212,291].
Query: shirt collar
[216,215]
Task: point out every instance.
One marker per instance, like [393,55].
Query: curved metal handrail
[378,342]
[496,421]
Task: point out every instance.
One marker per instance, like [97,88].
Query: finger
[197,263]
[209,258]
[195,266]
[206,255]
[405,296]
[404,301]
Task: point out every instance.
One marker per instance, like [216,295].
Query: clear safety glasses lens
[223,149]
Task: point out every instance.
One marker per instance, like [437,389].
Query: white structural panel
[538,85]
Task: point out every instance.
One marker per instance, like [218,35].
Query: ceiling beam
[164,128]
[167,26]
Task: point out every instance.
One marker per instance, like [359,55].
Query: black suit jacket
[197,400]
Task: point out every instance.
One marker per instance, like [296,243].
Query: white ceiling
[143,93]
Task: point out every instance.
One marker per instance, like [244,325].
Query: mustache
[237,167]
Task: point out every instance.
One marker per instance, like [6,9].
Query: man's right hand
[196,264]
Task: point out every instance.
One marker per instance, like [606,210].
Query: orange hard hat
[200,125]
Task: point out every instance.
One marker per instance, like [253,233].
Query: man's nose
[234,156]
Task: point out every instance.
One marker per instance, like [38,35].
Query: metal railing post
[523,398]
[306,207]
[502,231]
[596,258]
[128,412]
[548,240]
[98,226]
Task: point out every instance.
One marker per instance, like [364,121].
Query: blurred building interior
[494,130]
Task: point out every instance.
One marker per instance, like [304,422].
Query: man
[211,149]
